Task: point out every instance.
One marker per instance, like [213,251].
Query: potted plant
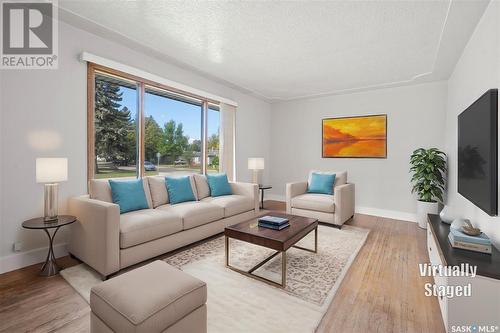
[429,168]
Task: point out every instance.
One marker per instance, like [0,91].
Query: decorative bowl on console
[446,215]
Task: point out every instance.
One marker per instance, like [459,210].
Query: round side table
[50,267]
[262,188]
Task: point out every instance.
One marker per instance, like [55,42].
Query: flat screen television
[478,152]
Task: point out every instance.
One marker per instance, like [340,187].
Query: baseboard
[387,213]
[23,259]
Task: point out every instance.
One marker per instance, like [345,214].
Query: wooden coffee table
[278,240]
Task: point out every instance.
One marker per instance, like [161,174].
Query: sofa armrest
[343,199]
[248,190]
[95,237]
[293,190]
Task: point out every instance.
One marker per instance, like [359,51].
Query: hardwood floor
[30,303]
[381,292]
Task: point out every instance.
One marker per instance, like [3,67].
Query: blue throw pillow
[321,183]
[128,194]
[219,185]
[179,189]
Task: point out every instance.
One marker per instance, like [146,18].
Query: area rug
[237,303]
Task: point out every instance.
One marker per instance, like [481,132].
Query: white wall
[477,71]
[44,114]
[415,116]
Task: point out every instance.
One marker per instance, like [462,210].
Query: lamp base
[256,177]
[50,219]
[50,202]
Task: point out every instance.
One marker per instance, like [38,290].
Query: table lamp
[50,171]
[256,164]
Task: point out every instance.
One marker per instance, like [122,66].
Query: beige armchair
[335,209]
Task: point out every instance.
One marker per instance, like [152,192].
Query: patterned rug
[237,303]
[310,276]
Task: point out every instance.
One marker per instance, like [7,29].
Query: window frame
[216,108]
[92,68]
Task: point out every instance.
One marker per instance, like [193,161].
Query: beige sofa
[334,209]
[108,241]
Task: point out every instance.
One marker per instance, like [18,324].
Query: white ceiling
[289,50]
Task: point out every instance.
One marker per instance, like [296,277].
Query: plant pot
[424,208]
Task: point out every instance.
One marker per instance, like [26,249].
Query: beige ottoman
[153,298]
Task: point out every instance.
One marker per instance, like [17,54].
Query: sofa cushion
[219,185]
[314,201]
[99,189]
[191,181]
[321,183]
[145,225]
[129,195]
[202,187]
[195,213]
[149,299]
[232,204]
[159,194]
[340,176]
[179,189]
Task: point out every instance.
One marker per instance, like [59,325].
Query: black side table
[262,188]
[50,267]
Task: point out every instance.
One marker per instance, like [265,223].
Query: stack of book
[273,222]
[461,240]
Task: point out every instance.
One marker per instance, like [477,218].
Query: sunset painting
[364,136]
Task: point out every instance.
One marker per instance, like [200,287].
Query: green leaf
[428,168]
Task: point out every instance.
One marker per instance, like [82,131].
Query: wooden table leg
[316,240]
[283,269]
[227,250]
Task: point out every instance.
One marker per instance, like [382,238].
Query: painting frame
[353,117]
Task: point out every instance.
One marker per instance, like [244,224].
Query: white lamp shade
[256,163]
[51,170]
